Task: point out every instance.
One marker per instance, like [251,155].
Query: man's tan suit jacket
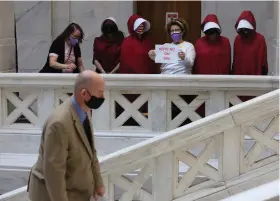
[67,168]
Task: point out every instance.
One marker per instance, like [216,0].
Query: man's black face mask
[94,102]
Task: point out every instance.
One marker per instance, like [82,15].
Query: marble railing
[135,105]
[268,192]
[154,163]
[220,136]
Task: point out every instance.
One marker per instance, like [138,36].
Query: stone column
[60,16]
[7,37]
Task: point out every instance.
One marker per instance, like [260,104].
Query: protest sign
[167,53]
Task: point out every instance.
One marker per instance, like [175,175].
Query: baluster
[158,110]
[164,177]
[46,104]
[231,153]
[109,189]
[216,102]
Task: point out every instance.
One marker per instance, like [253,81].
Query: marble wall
[39,22]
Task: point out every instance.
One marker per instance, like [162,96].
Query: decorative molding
[147,82]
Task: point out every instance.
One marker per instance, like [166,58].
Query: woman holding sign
[177,29]
[134,51]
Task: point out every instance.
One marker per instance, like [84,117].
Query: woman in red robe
[250,53]
[213,51]
[134,51]
[107,47]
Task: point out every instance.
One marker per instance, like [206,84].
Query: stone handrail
[136,107]
[222,134]
[15,195]
[260,193]
[147,82]
[153,110]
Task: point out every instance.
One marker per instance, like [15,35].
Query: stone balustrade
[150,170]
[136,108]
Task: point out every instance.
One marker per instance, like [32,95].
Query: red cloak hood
[210,21]
[249,16]
[250,54]
[134,50]
[134,21]
[130,23]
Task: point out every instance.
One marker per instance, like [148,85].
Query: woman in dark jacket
[65,53]
[107,47]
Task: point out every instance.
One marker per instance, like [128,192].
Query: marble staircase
[171,102]
[136,173]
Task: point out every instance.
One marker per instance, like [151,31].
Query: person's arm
[78,56]
[94,59]
[54,64]
[54,165]
[99,66]
[189,56]
[53,55]
[115,69]
[80,64]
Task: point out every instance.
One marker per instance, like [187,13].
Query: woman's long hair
[69,30]
[117,36]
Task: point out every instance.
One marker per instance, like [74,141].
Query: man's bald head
[88,84]
[87,79]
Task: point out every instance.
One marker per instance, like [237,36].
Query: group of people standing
[135,54]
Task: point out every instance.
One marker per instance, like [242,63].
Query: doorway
[155,13]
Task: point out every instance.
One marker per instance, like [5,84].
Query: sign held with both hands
[167,53]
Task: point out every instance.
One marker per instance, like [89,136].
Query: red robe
[250,55]
[106,52]
[212,57]
[134,52]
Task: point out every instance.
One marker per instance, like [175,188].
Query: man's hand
[99,191]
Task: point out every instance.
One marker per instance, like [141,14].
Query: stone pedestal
[7,37]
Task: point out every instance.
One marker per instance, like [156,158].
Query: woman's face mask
[245,32]
[212,34]
[177,37]
[73,41]
[140,29]
[109,28]
[176,33]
